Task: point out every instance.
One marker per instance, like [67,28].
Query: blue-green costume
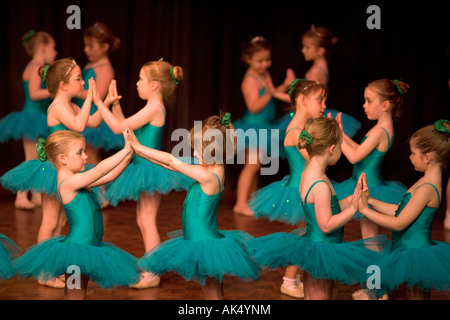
[280,200]
[371,165]
[412,257]
[103,262]
[8,251]
[142,175]
[324,256]
[202,250]
[29,123]
[101,137]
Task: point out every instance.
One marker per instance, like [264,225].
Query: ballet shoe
[104,205]
[53,283]
[363,294]
[294,292]
[245,212]
[148,280]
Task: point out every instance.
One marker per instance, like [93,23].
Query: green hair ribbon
[307,136]
[44,74]
[172,76]
[40,150]
[396,82]
[27,37]
[292,86]
[439,126]
[226,119]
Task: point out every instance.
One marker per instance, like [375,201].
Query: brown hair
[161,71]
[256,44]
[428,139]
[392,91]
[103,34]
[226,147]
[305,87]
[324,133]
[37,38]
[58,71]
[58,143]
[323,38]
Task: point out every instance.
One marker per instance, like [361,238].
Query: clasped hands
[360,198]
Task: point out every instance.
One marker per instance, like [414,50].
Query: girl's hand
[90,91]
[112,97]
[290,76]
[339,120]
[127,137]
[134,142]
[95,95]
[355,200]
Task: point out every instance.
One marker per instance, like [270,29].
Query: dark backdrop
[205,37]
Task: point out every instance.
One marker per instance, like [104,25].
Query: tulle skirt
[103,137]
[277,201]
[198,260]
[108,265]
[21,124]
[345,262]
[426,267]
[38,176]
[8,251]
[147,177]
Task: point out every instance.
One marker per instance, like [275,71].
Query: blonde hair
[324,132]
[59,142]
[167,75]
[58,71]
[226,148]
[430,140]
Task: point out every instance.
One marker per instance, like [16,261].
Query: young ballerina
[82,249]
[143,181]
[383,100]
[320,251]
[280,200]
[63,79]
[202,253]
[420,263]
[259,96]
[31,122]
[99,42]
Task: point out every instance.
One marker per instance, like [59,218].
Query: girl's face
[144,85]
[314,103]
[76,82]
[260,62]
[75,157]
[50,52]
[372,105]
[310,50]
[417,158]
[93,49]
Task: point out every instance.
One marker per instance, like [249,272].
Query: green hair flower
[439,126]
[226,119]
[27,37]
[292,86]
[40,150]
[307,136]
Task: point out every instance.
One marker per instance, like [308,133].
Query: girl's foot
[36,198]
[366,294]
[148,280]
[22,201]
[53,283]
[243,210]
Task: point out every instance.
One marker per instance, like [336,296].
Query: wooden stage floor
[120,228]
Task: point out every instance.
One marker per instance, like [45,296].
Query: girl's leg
[291,285]
[416,293]
[247,183]
[51,208]
[213,289]
[146,210]
[316,289]
[72,292]
[22,201]
[369,229]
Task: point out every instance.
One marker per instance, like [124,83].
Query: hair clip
[71,68]
[292,86]
[27,37]
[307,136]
[396,82]
[439,126]
[172,76]
[226,119]
[44,74]
[40,150]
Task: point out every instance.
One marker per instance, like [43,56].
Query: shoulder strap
[162,108]
[58,193]
[307,194]
[220,186]
[255,77]
[389,140]
[437,192]
[293,128]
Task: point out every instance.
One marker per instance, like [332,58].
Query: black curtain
[205,38]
